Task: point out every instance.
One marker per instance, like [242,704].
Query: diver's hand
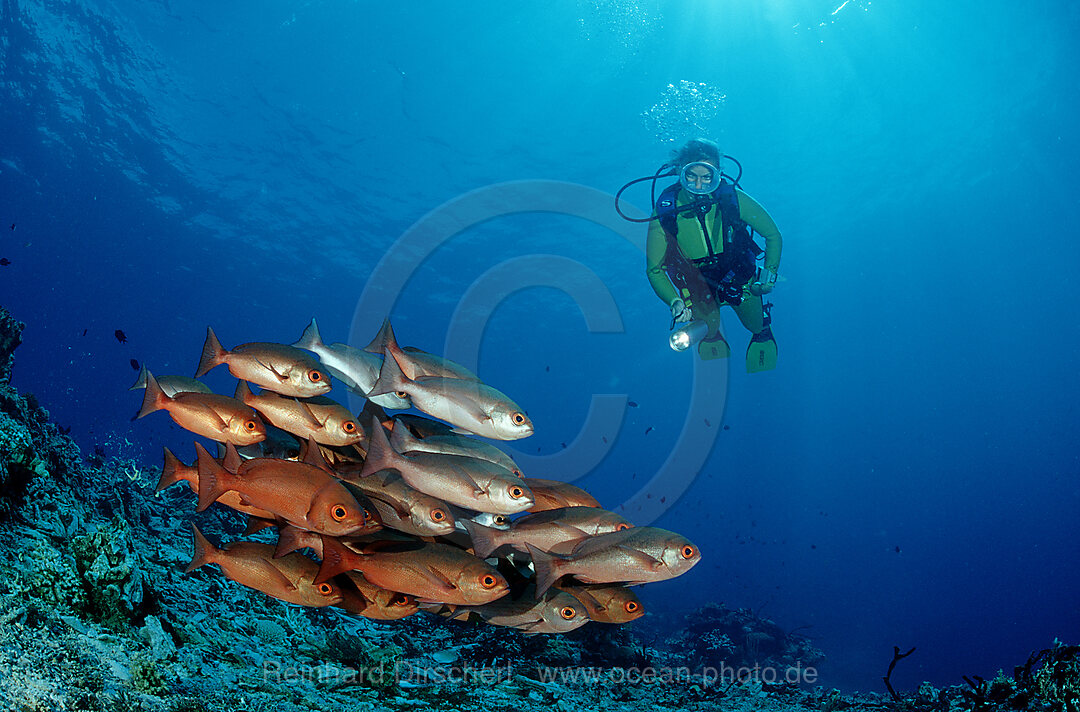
[680,313]
[764,282]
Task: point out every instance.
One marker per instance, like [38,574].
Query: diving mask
[699,178]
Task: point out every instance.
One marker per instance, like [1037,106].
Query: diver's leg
[761,353]
[713,345]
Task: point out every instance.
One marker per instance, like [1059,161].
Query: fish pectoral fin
[651,563]
[275,575]
[438,579]
[269,367]
[308,416]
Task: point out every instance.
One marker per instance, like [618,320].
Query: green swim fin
[713,347]
[761,353]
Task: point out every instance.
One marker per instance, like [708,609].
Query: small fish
[426,364]
[252,564]
[171,385]
[402,507]
[633,556]
[134,364]
[370,601]
[282,369]
[120,336]
[727,427]
[301,493]
[547,369]
[354,367]
[173,471]
[432,572]
[898,550]
[707,423]
[208,414]
[467,404]
[607,602]
[12,226]
[555,612]
[553,494]
[4,261]
[551,530]
[465,481]
[84,332]
[648,430]
[452,444]
[632,404]
[328,422]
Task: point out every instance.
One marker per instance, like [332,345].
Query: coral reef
[96,614]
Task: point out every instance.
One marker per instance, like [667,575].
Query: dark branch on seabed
[897,657]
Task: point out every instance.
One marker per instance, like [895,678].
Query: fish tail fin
[169,471]
[212,353]
[545,566]
[140,382]
[204,551]
[333,560]
[154,398]
[484,539]
[380,455]
[311,339]
[214,480]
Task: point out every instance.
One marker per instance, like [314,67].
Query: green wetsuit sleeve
[759,219]
[655,249]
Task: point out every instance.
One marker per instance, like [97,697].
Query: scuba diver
[701,254]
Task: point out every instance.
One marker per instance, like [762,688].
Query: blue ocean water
[908,475]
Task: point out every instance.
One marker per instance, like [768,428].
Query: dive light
[688,334]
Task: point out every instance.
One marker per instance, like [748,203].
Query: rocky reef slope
[96,614]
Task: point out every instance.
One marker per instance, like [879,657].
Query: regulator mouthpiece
[688,334]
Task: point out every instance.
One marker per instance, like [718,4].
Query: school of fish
[397,514]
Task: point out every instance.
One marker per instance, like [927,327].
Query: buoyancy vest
[730,262]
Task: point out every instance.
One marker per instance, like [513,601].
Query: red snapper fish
[555,612]
[329,423]
[633,556]
[252,564]
[276,367]
[300,493]
[470,405]
[431,572]
[607,602]
[216,417]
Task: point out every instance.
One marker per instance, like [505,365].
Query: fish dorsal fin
[313,456]
[232,458]
[384,336]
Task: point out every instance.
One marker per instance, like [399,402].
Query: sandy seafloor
[97,614]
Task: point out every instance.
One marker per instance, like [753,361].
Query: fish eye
[339,512]
[516,492]
[631,606]
[437,515]
[325,588]
[367,515]
[621,526]
[250,426]
[518,418]
[488,581]
[501,519]
[401,394]
[567,612]
[315,376]
[399,599]
[687,552]
[349,427]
